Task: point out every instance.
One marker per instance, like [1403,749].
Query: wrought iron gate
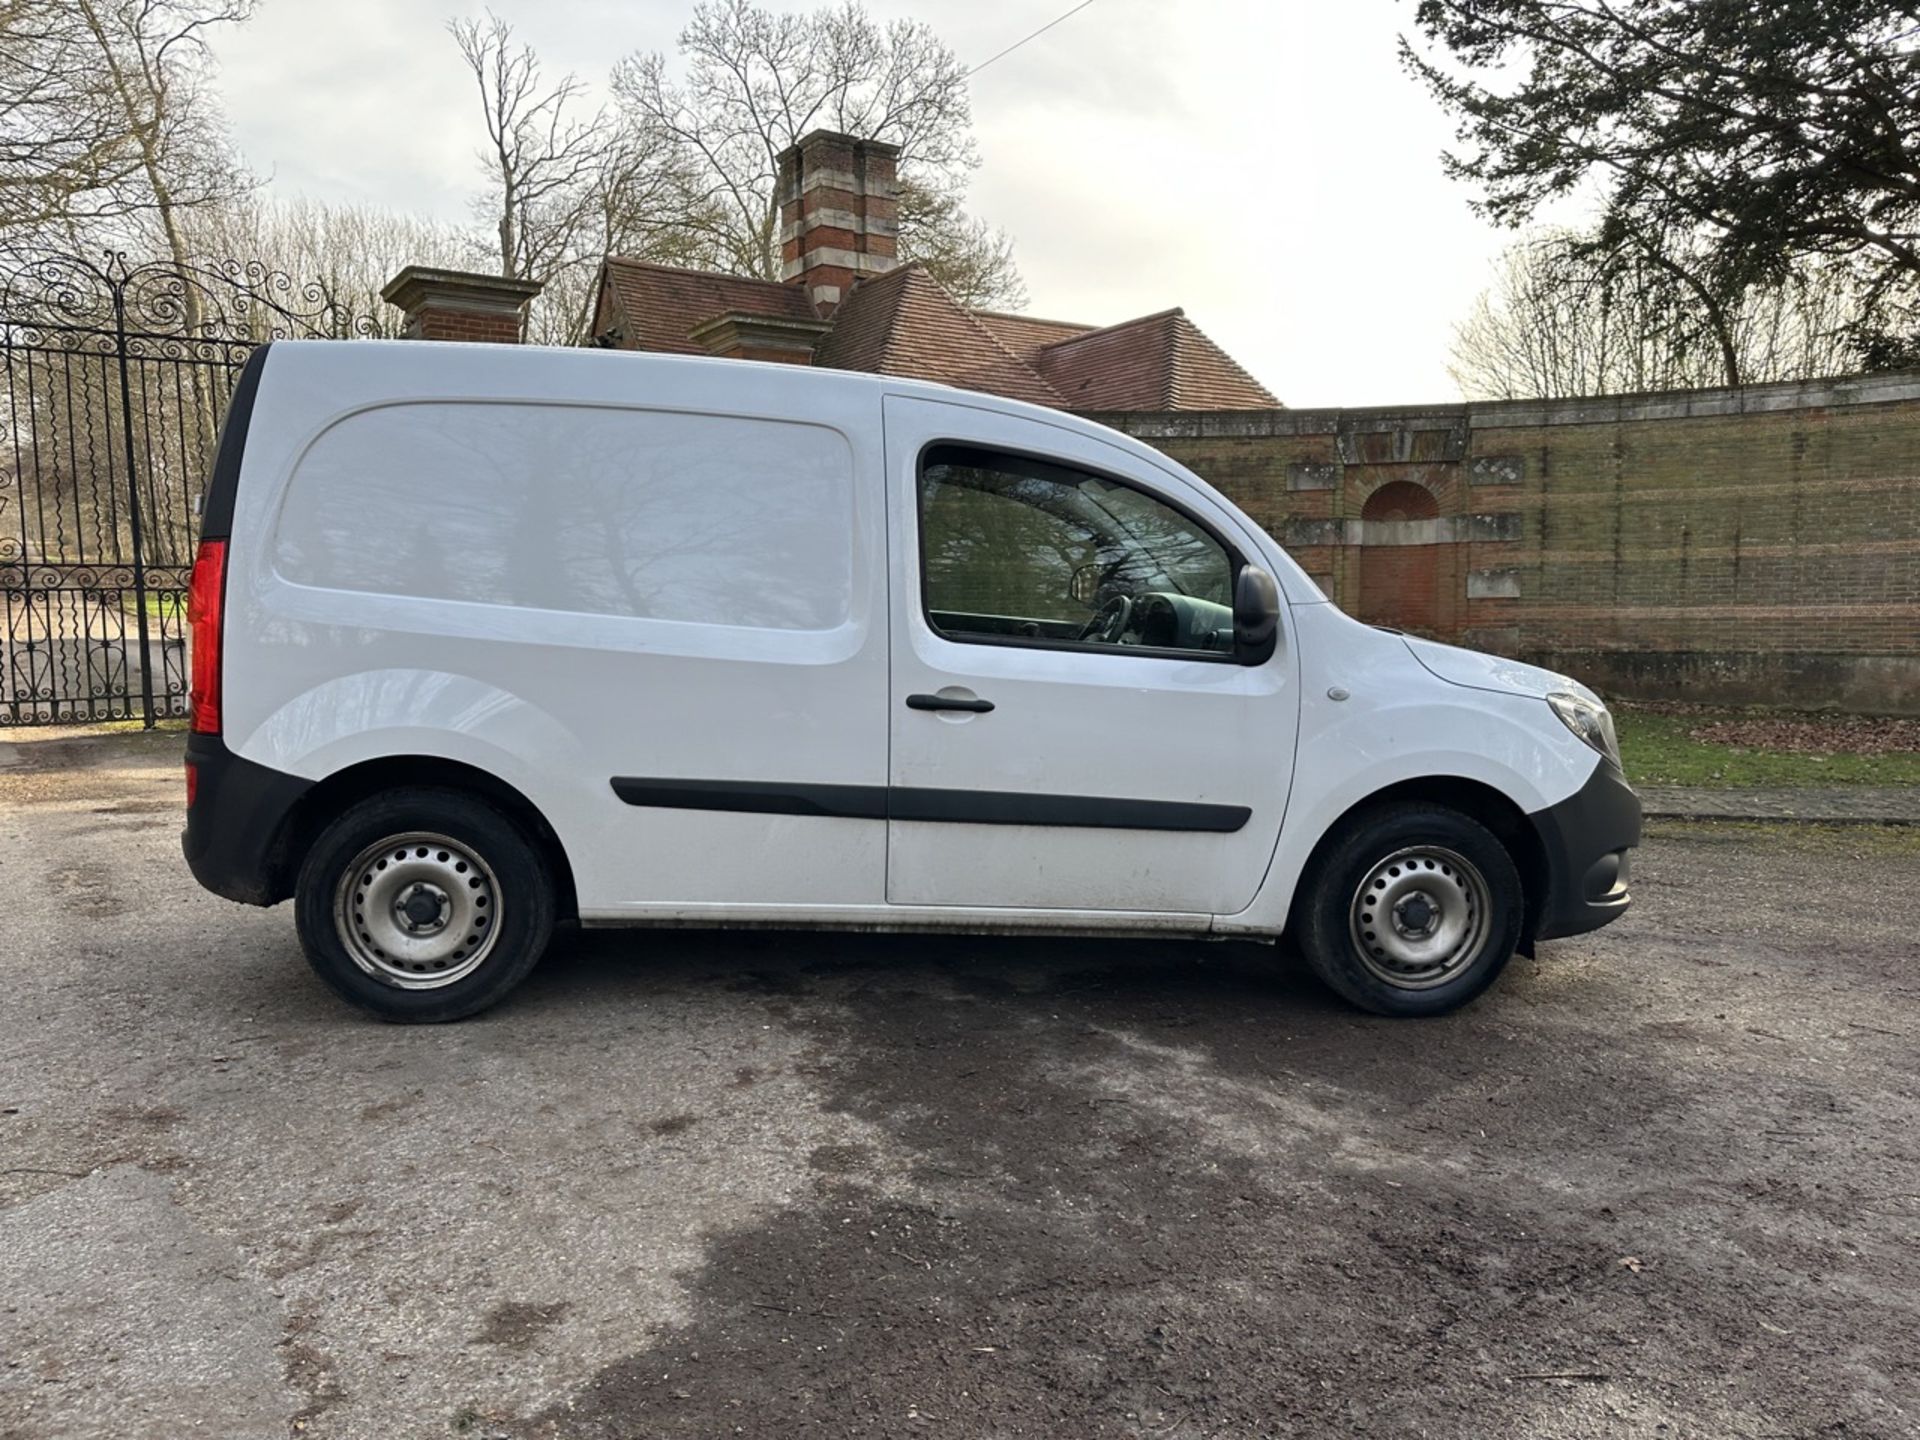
[113,379]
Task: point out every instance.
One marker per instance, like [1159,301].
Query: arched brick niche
[1401,500]
[1401,563]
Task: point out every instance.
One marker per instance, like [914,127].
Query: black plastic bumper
[237,827]
[1586,838]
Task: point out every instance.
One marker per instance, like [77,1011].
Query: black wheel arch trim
[237,827]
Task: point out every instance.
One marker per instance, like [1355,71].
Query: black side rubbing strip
[1098,812]
[216,509]
[958,807]
[757,797]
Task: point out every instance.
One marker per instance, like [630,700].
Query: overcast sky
[1266,165]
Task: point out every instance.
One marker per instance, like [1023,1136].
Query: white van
[486,638]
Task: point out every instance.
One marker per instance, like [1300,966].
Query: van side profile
[487,638]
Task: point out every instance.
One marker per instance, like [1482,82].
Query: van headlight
[1589,720]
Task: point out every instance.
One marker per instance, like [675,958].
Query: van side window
[1014,549]
[699,519]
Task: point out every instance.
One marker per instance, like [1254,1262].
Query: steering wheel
[1109,622]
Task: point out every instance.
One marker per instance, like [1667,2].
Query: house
[847,303]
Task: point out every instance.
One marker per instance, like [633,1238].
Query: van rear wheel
[423,905]
[1411,910]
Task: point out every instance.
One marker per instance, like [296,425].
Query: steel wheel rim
[418,911]
[1421,917]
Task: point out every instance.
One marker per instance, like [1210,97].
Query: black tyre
[423,905]
[1410,910]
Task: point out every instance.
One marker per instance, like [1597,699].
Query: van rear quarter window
[653,514]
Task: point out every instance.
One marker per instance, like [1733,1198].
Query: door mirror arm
[1256,615]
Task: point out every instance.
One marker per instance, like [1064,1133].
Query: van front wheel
[1411,910]
[423,905]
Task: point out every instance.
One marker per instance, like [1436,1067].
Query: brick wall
[1746,546]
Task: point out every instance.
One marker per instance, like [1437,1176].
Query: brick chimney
[838,214]
[460,305]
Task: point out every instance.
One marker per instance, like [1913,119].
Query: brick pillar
[838,214]
[738,335]
[460,305]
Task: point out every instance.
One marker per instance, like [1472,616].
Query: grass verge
[1660,748]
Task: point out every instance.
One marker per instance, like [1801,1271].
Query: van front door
[1070,726]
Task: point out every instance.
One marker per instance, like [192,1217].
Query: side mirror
[1256,615]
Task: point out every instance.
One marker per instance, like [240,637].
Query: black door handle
[943,702]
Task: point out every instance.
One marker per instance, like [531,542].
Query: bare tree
[336,258]
[60,151]
[757,80]
[971,260]
[151,66]
[637,205]
[1567,318]
[567,186]
[107,126]
[543,154]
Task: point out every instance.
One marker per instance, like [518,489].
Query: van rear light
[206,604]
[193,783]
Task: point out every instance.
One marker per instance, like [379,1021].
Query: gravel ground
[1664,1181]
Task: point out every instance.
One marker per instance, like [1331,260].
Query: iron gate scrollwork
[113,379]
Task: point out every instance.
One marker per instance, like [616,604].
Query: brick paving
[1842,804]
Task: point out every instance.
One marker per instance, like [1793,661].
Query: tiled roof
[1158,362]
[1025,335]
[902,323]
[663,304]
